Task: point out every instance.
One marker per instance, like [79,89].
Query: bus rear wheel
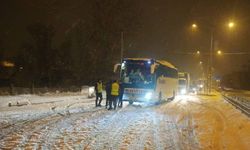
[173,97]
[130,102]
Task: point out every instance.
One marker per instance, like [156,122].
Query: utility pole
[122,46]
[210,74]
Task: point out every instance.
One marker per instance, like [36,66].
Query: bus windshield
[136,73]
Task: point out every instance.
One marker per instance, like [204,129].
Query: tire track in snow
[162,131]
[127,128]
[187,131]
[25,134]
[184,137]
[112,130]
[220,121]
[54,131]
[82,137]
[186,125]
[220,127]
[136,134]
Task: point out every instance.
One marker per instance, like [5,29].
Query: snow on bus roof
[145,59]
[162,62]
[165,63]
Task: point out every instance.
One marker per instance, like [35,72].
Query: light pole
[122,46]
[210,62]
[209,69]
[202,77]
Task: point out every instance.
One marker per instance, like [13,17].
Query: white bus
[184,82]
[147,80]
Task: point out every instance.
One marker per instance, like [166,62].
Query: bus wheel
[130,102]
[160,96]
[173,97]
[159,99]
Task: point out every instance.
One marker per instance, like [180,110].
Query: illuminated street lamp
[7,64]
[231,24]
[194,26]
[198,52]
[219,52]
[209,77]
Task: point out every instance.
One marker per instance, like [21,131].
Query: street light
[198,52]
[194,26]
[209,77]
[219,52]
[7,64]
[231,24]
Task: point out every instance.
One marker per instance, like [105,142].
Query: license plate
[134,91]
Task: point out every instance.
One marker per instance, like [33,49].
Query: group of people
[133,76]
[114,93]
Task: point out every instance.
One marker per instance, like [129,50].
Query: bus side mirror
[116,67]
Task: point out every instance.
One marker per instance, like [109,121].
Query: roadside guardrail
[240,103]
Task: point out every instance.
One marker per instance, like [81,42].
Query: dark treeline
[238,79]
[88,51]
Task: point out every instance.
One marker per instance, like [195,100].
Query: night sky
[163,33]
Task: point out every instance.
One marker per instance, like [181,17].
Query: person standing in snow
[114,94]
[98,91]
[120,95]
[108,92]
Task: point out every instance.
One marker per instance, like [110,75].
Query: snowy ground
[72,122]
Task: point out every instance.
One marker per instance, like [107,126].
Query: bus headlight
[123,65]
[148,95]
[183,91]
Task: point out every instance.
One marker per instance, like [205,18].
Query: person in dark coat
[121,91]
[108,92]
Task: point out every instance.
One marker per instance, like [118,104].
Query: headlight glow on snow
[148,95]
[183,91]
[91,91]
[194,90]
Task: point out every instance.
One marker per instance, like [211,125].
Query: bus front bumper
[147,97]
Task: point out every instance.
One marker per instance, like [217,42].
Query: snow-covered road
[188,122]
